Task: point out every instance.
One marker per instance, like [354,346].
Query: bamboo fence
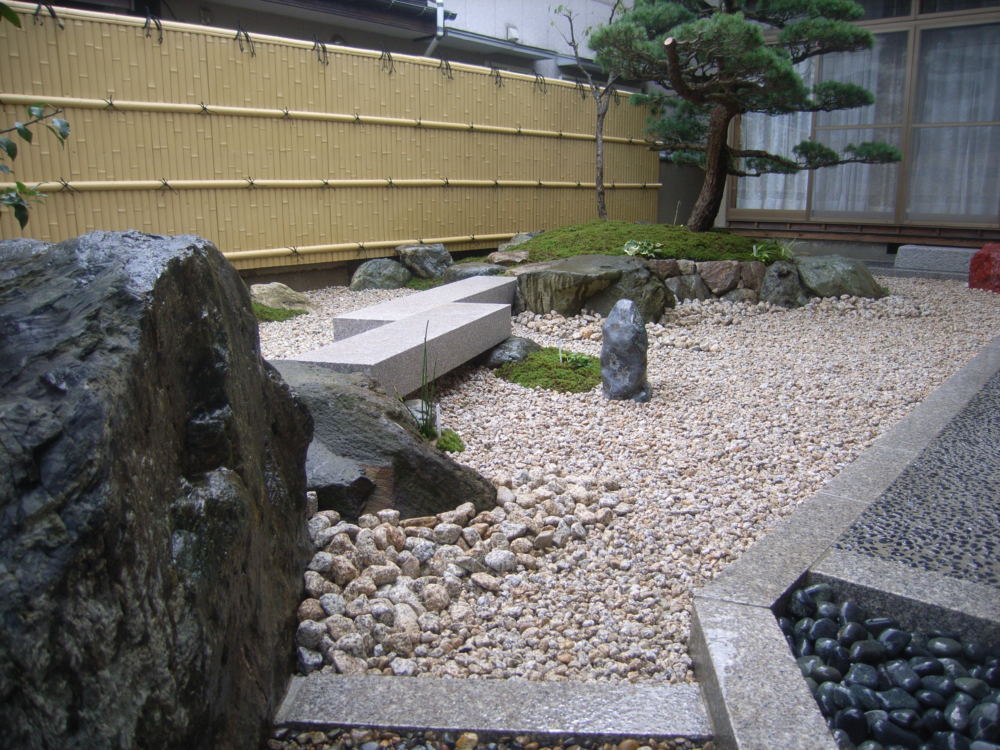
[284,152]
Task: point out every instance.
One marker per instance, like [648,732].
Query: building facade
[935,73]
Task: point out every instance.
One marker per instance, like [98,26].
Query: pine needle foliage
[721,60]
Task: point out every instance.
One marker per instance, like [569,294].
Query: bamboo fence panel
[284,154]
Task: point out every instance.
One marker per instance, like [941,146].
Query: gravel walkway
[753,409]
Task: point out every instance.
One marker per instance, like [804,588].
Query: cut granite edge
[742,717]
[595,711]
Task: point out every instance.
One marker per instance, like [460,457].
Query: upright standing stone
[623,354]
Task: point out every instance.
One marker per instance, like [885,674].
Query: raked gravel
[753,410]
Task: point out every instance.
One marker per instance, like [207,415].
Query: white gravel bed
[753,410]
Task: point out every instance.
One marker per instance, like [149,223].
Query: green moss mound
[609,237]
[266,314]
[450,441]
[424,284]
[547,368]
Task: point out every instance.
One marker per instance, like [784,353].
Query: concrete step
[496,707]
[393,353]
[495,289]
[943,262]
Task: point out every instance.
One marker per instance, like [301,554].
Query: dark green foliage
[555,370]
[721,64]
[609,238]
[450,441]
[267,314]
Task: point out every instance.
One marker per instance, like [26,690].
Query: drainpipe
[439,32]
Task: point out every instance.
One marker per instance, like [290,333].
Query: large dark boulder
[356,420]
[380,273]
[425,261]
[834,275]
[596,282]
[623,354]
[782,286]
[152,495]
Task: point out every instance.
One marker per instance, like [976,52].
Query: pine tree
[727,59]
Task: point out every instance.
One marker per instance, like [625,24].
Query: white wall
[532,18]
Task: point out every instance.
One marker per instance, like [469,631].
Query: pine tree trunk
[602,112]
[706,208]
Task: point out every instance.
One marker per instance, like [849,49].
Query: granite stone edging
[751,684]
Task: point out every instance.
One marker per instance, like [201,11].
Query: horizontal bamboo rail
[214,31]
[67,102]
[250,184]
[278,252]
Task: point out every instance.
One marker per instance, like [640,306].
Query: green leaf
[4,169]
[8,14]
[22,130]
[59,128]
[8,146]
[21,214]
[36,111]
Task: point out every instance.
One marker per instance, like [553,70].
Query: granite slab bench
[456,322]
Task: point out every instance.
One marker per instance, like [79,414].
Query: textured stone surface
[340,483]
[623,354]
[834,275]
[280,296]
[354,420]
[518,239]
[152,485]
[782,286]
[984,268]
[664,268]
[508,706]
[460,271]
[934,258]
[720,275]
[507,257]
[514,349]
[594,281]
[687,287]
[955,529]
[380,273]
[752,274]
[425,261]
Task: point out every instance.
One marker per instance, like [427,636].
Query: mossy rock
[266,314]
[609,237]
[549,368]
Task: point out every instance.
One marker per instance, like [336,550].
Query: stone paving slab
[935,258]
[947,444]
[497,707]
[393,354]
[488,289]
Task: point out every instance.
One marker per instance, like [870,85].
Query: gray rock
[151,478]
[508,257]
[623,354]
[340,484]
[720,275]
[501,560]
[518,239]
[309,660]
[687,286]
[834,275]
[355,420]
[380,273]
[332,604]
[595,281]
[782,286]
[280,296]
[514,349]
[664,268]
[461,271]
[425,261]
[310,633]
[752,274]
[741,295]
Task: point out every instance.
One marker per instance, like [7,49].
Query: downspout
[439,32]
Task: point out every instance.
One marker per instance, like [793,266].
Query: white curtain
[777,134]
[953,167]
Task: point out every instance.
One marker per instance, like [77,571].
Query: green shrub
[609,238]
[423,284]
[450,441]
[555,370]
[768,251]
[267,314]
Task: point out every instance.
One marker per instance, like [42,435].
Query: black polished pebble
[882,687]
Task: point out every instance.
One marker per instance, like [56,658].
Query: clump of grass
[450,441]
[423,284]
[610,237]
[555,370]
[267,314]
